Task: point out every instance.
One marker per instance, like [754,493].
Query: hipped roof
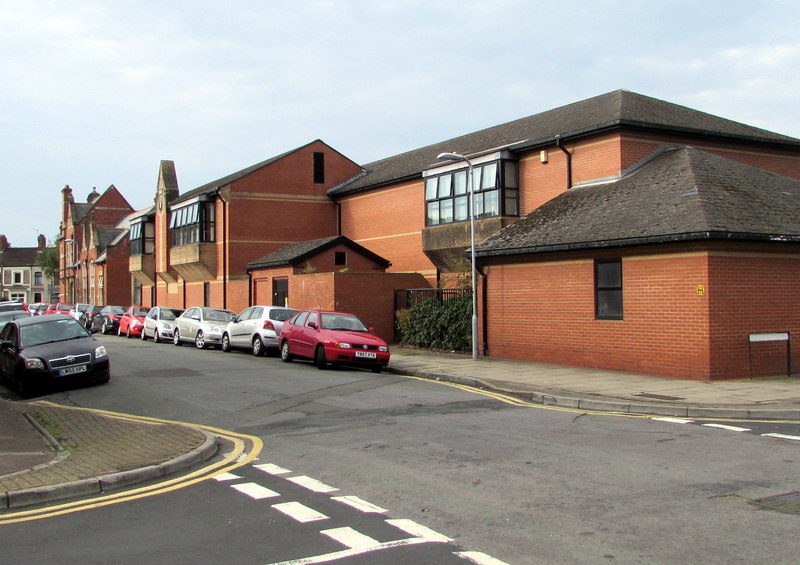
[678,194]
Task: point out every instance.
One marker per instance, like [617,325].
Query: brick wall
[751,293]
[544,311]
[389,222]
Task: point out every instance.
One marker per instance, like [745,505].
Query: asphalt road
[522,484]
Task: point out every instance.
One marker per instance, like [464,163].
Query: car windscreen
[113,310]
[342,322]
[218,316]
[169,314]
[50,331]
[140,311]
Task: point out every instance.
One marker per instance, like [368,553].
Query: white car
[257,328]
[160,323]
[78,309]
[203,326]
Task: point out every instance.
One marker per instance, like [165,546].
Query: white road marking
[418,530]
[782,436]
[673,420]
[479,558]
[359,504]
[272,469]
[351,538]
[312,484]
[299,512]
[226,477]
[255,491]
[726,427]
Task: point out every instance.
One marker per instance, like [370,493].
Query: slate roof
[620,108]
[296,253]
[678,194]
[19,256]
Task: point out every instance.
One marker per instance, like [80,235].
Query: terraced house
[621,231]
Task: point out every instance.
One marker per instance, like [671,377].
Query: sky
[95,93]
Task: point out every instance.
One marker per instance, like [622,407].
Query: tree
[47,259]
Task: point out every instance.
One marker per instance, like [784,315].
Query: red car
[58,308]
[332,338]
[132,321]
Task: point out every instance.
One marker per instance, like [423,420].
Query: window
[496,187]
[38,278]
[142,238]
[319,168]
[206,294]
[340,258]
[608,289]
[17,277]
[193,224]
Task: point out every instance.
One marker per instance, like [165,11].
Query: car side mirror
[312,325]
[4,344]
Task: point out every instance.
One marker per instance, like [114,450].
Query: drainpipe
[485,313]
[569,161]
[225,245]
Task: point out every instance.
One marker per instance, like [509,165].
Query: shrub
[439,324]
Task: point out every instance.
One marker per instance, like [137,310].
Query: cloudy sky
[94,93]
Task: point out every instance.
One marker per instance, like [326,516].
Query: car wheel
[119,330]
[258,347]
[176,337]
[286,357]
[104,327]
[143,335]
[319,358]
[128,332]
[200,340]
[156,337]
[26,389]
[226,343]
[376,369]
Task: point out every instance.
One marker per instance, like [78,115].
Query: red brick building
[597,241]
[93,252]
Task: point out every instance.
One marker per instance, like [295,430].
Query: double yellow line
[245,449]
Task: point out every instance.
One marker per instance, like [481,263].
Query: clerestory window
[192,224]
[496,187]
[142,237]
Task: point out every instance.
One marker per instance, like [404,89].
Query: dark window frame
[608,289]
[192,224]
[496,193]
[319,167]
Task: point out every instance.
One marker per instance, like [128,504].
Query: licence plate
[367,354]
[72,370]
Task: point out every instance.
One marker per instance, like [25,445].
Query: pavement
[50,453]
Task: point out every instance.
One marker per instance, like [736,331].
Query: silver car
[203,326]
[160,323]
[256,328]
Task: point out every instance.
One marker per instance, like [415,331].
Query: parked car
[159,323]
[13,306]
[78,309]
[58,308]
[9,315]
[37,308]
[332,337]
[87,317]
[203,326]
[107,321]
[132,321]
[257,328]
[43,351]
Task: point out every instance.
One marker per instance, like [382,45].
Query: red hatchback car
[132,321]
[332,338]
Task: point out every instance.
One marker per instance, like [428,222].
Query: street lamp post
[471,191]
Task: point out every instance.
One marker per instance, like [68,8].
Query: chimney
[42,241]
[3,243]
